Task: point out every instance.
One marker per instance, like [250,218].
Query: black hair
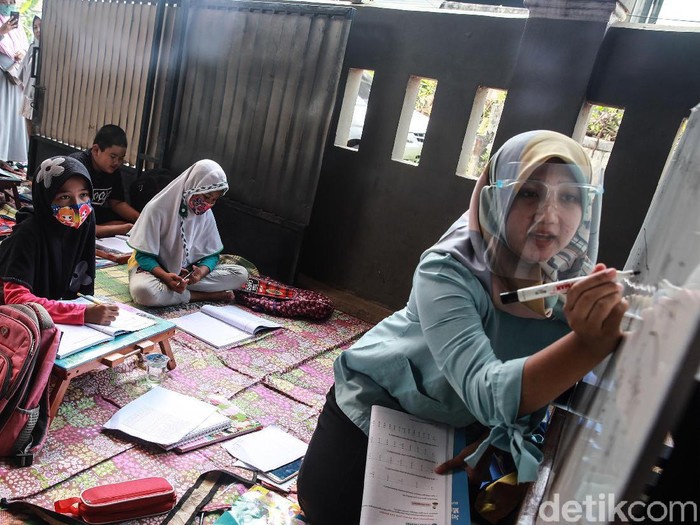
[36,17]
[110,135]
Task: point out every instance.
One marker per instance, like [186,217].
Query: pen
[549,289]
[90,298]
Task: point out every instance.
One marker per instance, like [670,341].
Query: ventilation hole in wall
[352,113]
[596,130]
[413,123]
[481,131]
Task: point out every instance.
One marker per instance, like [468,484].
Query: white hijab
[169,230]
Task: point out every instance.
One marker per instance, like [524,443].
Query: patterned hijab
[168,230]
[477,239]
[52,260]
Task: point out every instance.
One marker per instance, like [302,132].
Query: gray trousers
[146,289]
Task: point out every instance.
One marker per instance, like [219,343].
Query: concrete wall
[373,216]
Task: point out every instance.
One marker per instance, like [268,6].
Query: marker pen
[556,288]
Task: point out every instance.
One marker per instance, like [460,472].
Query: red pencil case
[133,499]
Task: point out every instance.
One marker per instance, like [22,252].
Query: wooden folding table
[154,338]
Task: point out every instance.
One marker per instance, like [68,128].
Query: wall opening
[481,131]
[354,108]
[596,130]
[413,122]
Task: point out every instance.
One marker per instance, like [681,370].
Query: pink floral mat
[279,378]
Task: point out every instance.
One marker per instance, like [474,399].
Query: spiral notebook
[216,422]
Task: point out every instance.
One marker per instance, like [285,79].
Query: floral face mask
[72,216]
[198,204]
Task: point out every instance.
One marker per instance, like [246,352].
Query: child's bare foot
[225,296]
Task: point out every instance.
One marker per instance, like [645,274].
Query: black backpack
[148,185]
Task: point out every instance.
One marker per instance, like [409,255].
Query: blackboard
[606,457]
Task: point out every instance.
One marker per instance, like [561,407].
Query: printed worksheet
[400,485]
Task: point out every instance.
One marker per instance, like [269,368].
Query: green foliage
[426,94]
[604,122]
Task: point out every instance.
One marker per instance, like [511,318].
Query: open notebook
[75,338]
[222,326]
[165,417]
[115,244]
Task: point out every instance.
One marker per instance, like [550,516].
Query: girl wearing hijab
[455,354]
[177,244]
[13,46]
[50,254]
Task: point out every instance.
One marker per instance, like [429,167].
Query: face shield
[540,219]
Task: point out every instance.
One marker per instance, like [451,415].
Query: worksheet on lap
[400,484]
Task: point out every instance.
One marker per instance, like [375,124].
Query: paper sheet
[266,449]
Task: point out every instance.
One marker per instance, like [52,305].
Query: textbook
[400,485]
[222,326]
[75,338]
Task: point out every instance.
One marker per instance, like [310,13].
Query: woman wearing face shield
[455,354]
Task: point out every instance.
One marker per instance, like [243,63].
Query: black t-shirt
[105,186]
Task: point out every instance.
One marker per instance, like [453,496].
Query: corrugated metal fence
[258,89]
[248,84]
[94,67]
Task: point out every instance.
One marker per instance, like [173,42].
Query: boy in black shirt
[113,214]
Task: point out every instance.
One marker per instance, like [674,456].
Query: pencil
[90,298]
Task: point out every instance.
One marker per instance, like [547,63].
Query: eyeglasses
[564,194]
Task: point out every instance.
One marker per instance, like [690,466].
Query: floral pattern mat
[279,378]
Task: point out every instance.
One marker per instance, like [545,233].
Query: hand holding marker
[547,290]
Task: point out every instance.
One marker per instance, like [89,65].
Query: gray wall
[655,76]
[373,217]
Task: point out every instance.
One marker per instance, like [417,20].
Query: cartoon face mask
[198,205]
[74,215]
